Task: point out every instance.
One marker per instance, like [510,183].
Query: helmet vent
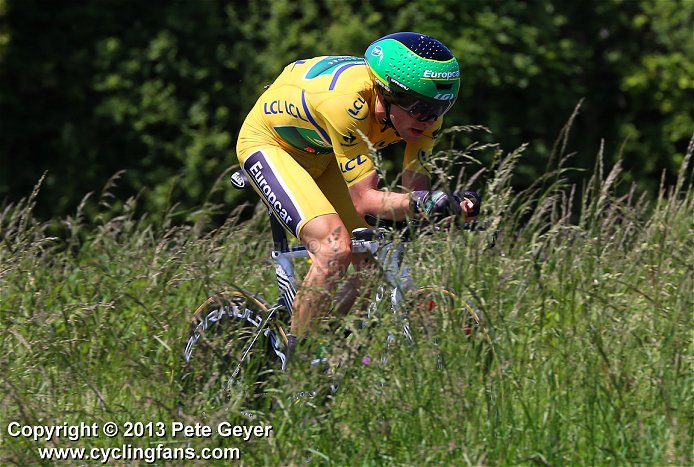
[422,45]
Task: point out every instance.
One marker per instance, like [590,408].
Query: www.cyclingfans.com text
[163,441]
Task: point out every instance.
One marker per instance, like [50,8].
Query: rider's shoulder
[333,74]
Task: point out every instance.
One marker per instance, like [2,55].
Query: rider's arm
[417,164]
[368,199]
[415,180]
[362,179]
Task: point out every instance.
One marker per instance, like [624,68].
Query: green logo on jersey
[304,139]
[329,64]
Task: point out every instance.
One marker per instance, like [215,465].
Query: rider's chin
[412,134]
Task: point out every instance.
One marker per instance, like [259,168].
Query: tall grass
[584,356]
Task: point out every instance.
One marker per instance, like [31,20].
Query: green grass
[590,360]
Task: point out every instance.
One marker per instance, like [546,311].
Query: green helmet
[415,72]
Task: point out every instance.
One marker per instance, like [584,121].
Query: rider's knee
[334,255]
[329,244]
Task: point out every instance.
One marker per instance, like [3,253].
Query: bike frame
[389,256]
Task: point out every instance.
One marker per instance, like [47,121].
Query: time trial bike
[236,339]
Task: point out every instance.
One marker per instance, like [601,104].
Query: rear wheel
[229,349]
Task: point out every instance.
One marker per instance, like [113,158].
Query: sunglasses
[419,108]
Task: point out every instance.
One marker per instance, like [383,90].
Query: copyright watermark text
[159,435]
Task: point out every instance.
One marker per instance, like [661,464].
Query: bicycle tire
[228,352]
[461,316]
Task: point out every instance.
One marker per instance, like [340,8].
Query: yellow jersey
[321,109]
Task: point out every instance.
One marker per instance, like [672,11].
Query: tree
[160,88]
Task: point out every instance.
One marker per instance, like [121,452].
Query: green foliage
[88,89]
[583,355]
[659,82]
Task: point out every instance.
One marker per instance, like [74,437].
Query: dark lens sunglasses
[422,110]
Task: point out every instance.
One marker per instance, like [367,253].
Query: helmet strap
[387,122]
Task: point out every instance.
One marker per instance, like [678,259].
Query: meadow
[584,357]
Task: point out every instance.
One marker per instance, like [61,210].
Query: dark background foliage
[159,88]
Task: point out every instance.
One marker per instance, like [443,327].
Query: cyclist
[305,147]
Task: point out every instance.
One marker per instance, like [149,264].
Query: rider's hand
[470,203]
[434,204]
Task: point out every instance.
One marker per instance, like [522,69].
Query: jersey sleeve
[355,169]
[347,123]
[346,119]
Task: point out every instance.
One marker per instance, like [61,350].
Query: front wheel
[430,306]
[434,312]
